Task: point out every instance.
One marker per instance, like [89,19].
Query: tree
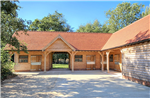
[10,24]
[96,27]
[105,28]
[123,15]
[54,22]
[147,11]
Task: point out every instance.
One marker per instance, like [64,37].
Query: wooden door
[117,61]
[90,62]
[36,63]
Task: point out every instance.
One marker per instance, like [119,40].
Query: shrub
[6,64]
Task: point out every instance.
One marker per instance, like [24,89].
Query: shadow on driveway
[71,84]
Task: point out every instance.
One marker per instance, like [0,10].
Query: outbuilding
[127,50]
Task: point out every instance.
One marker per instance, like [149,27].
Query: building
[127,50]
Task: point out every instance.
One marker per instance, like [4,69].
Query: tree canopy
[10,24]
[95,27]
[52,22]
[147,11]
[123,15]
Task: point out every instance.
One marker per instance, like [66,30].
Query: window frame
[77,59]
[24,58]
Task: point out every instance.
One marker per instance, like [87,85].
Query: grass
[60,66]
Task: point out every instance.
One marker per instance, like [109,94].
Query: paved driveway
[85,84]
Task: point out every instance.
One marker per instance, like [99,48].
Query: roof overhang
[142,41]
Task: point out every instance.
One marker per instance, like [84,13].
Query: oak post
[44,62]
[107,53]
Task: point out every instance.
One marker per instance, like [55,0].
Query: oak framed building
[127,50]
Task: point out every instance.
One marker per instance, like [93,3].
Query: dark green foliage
[147,11]
[57,56]
[10,24]
[123,15]
[6,65]
[96,27]
[6,71]
[53,22]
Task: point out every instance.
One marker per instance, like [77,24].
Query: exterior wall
[50,60]
[136,62]
[82,65]
[77,65]
[27,66]
[112,65]
[21,66]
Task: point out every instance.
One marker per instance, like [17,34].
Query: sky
[75,12]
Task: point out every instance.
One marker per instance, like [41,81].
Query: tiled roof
[137,31]
[134,32]
[37,40]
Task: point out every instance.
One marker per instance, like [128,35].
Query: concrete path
[77,84]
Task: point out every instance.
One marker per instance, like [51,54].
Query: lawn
[60,66]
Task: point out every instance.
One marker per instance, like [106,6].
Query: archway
[60,60]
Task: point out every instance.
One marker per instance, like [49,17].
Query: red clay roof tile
[134,32]
[37,40]
[137,31]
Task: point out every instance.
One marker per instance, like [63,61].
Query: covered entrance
[60,60]
[58,54]
[111,60]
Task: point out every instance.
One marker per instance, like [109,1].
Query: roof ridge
[70,32]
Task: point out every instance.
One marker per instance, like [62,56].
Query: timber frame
[126,51]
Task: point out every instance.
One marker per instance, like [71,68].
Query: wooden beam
[44,61]
[121,59]
[45,55]
[107,53]
[16,58]
[102,55]
[48,53]
[72,56]
[102,61]
[59,50]
[69,52]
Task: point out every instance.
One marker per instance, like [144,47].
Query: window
[23,58]
[111,58]
[78,58]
